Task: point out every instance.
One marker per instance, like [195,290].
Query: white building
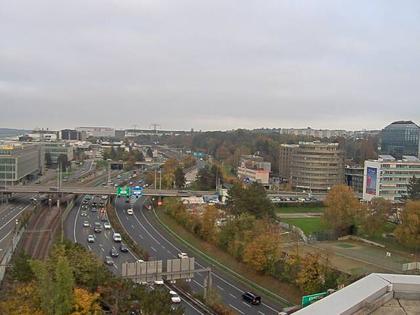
[98,132]
[388,178]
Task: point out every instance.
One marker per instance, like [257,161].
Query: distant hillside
[9,132]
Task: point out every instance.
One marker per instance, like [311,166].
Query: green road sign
[123,191]
[309,299]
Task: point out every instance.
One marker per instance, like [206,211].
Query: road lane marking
[236,309]
[102,249]
[231,295]
[89,248]
[198,283]
[132,225]
[220,288]
[246,304]
[141,236]
[259,312]
[198,264]
[10,232]
[115,266]
[153,249]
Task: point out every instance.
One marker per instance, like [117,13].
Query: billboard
[371,180]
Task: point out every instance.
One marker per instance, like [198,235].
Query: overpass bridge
[77,190]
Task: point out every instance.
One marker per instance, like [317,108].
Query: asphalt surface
[144,229]
[75,231]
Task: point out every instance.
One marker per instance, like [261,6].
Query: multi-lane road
[144,229]
[75,231]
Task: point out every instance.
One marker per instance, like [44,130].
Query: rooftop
[374,294]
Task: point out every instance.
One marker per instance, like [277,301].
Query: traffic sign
[123,191]
[309,299]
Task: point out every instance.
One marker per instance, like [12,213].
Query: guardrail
[9,253]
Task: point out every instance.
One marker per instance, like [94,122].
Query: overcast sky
[209,64]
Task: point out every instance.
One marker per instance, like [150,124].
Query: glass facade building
[400,138]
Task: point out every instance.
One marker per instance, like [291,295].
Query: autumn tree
[86,303]
[208,226]
[374,216]
[342,208]
[408,232]
[252,199]
[311,277]
[263,252]
[179,177]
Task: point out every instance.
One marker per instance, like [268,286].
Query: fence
[9,252]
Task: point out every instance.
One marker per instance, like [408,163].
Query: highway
[75,231]
[144,230]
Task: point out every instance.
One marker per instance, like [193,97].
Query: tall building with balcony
[400,138]
[388,177]
[285,160]
[20,161]
[317,166]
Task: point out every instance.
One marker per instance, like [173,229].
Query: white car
[86,224]
[91,238]
[174,297]
[159,282]
[130,211]
[182,255]
[107,226]
[104,197]
[117,237]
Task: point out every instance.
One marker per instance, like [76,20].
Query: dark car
[114,252]
[251,298]
[123,248]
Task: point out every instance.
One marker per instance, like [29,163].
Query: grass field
[300,209]
[308,225]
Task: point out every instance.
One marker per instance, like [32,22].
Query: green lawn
[308,225]
[300,209]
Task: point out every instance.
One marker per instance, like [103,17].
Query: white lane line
[132,225]
[153,249]
[141,236]
[198,283]
[102,249]
[236,309]
[231,295]
[246,304]
[106,236]
[1,227]
[89,247]
[10,232]
[220,288]
[115,266]
[135,217]
[163,247]
[201,266]
[75,223]
[259,312]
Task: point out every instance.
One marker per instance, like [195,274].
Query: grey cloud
[208,64]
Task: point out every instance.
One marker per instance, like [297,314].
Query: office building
[19,162]
[254,169]
[71,134]
[400,138]
[285,160]
[97,132]
[388,177]
[42,135]
[317,166]
[354,177]
[54,149]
